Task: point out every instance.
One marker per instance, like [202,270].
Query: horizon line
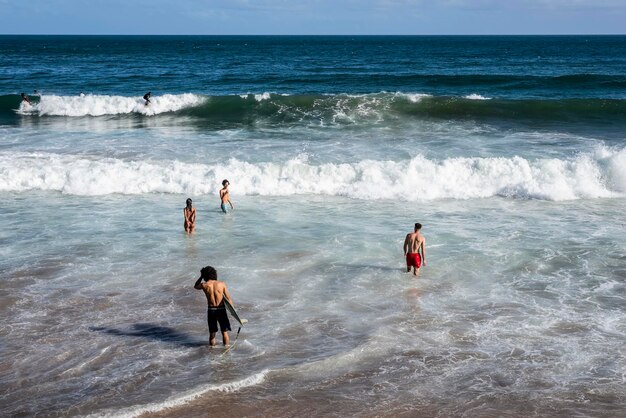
[330,34]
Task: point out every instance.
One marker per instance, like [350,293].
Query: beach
[514,164]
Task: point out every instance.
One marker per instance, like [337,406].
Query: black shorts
[215,315]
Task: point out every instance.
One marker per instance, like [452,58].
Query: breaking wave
[94,105]
[336,108]
[601,174]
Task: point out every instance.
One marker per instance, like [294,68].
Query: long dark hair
[188,204]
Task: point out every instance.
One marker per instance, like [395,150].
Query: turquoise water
[510,151]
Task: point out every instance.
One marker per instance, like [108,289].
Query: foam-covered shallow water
[526,309]
[515,165]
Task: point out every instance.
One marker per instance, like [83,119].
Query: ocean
[510,150]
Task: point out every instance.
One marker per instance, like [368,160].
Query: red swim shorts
[413,260]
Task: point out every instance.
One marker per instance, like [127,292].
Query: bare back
[215,291]
[414,242]
[190,215]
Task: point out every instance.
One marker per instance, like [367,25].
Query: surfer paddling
[215,291]
[225,196]
[190,217]
[415,250]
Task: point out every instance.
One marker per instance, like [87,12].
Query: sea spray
[592,175]
[101,105]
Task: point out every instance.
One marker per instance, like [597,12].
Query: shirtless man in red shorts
[415,250]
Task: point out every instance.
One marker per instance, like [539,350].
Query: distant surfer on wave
[190,217]
[146,97]
[225,196]
[215,292]
[26,99]
[415,250]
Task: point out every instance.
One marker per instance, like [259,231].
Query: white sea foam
[414,97]
[596,175]
[26,108]
[100,105]
[259,97]
[186,397]
[474,96]
[368,106]
[615,169]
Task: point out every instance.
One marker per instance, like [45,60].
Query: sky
[312,17]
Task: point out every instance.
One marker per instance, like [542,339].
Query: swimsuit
[223,206]
[217,314]
[413,260]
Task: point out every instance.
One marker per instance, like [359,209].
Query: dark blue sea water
[527,77]
[510,150]
[508,67]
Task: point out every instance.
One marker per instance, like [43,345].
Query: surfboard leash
[233,344]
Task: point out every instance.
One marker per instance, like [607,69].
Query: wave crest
[335,108]
[595,175]
[96,105]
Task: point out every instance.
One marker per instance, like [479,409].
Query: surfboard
[231,309]
[233,312]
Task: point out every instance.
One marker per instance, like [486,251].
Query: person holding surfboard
[217,297]
[415,250]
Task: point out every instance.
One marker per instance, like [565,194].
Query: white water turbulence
[475,96]
[258,97]
[334,147]
[184,398]
[101,105]
[600,174]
